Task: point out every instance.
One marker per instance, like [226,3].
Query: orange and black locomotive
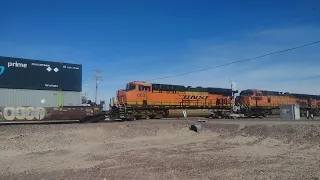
[146,100]
[268,102]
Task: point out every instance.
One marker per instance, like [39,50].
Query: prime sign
[23,113]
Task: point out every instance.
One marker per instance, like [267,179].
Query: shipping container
[38,98]
[19,73]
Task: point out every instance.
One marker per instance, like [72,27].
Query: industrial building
[37,83]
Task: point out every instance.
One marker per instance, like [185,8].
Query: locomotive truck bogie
[169,113]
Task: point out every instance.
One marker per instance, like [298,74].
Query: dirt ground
[161,149]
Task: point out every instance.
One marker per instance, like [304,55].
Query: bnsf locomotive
[268,102]
[146,100]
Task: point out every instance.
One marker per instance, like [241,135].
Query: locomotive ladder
[124,110]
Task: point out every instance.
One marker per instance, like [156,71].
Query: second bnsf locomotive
[260,102]
[146,100]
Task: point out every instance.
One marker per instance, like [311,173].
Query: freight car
[263,103]
[43,114]
[145,100]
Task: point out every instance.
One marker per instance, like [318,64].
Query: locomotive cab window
[246,93]
[130,87]
[144,88]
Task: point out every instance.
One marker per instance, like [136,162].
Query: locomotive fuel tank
[175,113]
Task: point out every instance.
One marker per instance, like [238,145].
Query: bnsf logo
[23,113]
[195,97]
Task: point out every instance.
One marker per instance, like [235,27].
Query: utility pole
[96,77]
[233,88]
[86,90]
[86,93]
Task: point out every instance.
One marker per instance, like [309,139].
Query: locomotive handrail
[193,103]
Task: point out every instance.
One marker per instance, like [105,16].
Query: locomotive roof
[264,92]
[187,87]
[172,87]
[212,90]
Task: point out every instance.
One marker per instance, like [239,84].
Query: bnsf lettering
[23,113]
[195,97]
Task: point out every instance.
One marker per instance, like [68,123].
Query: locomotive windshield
[130,87]
[247,93]
[144,88]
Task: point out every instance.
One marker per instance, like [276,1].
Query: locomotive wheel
[128,119]
[132,119]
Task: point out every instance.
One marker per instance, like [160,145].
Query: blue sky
[141,40]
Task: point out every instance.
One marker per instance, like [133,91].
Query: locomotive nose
[120,92]
[121,96]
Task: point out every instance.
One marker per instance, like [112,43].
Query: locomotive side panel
[144,95]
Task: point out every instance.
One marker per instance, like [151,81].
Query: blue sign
[1,69]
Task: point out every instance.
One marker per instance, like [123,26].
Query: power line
[237,37]
[261,29]
[235,62]
[255,31]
